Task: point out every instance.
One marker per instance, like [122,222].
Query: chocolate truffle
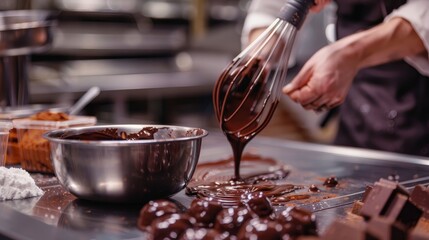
[171,226]
[259,228]
[203,234]
[155,209]
[258,203]
[230,219]
[296,222]
[204,210]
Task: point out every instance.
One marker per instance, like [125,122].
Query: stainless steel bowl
[126,170]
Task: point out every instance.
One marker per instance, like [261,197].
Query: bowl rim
[48,135]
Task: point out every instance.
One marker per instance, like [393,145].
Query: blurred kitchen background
[156,61]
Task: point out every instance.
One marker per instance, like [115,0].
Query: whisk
[248,91]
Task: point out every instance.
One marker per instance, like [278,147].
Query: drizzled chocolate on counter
[260,175]
[114,134]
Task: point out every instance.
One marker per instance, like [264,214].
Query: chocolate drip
[241,106]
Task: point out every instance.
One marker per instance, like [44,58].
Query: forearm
[389,41]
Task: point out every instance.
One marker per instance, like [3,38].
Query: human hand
[319,5]
[324,80]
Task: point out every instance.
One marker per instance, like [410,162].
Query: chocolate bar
[380,197]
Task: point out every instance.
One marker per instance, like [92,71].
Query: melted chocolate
[240,104]
[213,180]
[114,134]
[230,193]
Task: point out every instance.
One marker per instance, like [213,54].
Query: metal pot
[22,32]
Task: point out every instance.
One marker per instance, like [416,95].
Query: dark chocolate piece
[420,197]
[379,198]
[382,228]
[404,211]
[298,222]
[357,206]
[366,192]
[418,234]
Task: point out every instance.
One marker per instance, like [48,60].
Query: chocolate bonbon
[297,222]
[171,226]
[260,228]
[242,222]
[258,203]
[154,210]
[205,210]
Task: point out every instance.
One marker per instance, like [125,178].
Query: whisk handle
[295,11]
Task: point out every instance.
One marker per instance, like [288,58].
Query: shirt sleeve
[417,13]
[261,14]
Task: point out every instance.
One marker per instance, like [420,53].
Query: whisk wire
[258,78]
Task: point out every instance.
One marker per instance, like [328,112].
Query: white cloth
[416,12]
[263,12]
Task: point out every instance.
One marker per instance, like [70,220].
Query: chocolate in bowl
[125,170]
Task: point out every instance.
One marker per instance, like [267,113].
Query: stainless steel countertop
[59,215]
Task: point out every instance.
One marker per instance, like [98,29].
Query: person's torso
[386,107]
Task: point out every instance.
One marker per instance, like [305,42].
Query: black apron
[387,107]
